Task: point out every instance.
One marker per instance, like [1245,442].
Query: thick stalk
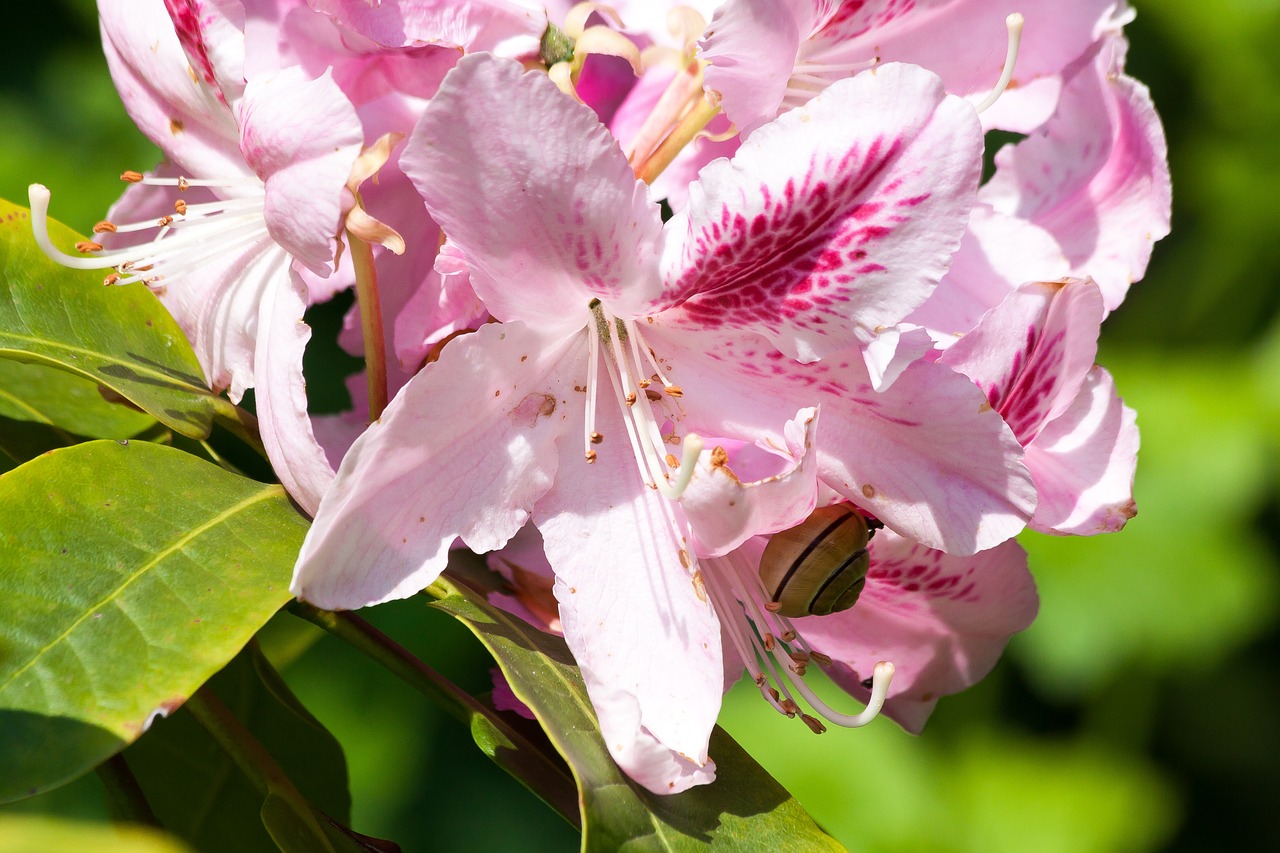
[690,126]
[518,756]
[375,347]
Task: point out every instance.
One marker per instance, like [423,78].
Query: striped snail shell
[819,566]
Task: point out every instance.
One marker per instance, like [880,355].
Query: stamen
[1014,25]
[692,449]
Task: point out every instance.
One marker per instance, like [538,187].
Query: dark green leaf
[129,573]
[45,395]
[744,807]
[119,337]
[178,764]
[22,441]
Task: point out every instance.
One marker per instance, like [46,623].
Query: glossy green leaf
[129,573]
[177,763]
[119,337]
[32,834]
[46,395]
[743,808]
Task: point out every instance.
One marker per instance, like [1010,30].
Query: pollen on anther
[643,383]
[591,456]
[814,725]
[106,226]
[673,461]
[131,177]
[180,207]
[183,185]
[674,390]
[87,246]
[772,606]
[769,642]
[164,221]
[596,438]
[111,279]
[631,399]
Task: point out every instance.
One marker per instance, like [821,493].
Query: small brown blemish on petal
[699,586]
[175,126]
[684,558]
[868,491]
[533,406]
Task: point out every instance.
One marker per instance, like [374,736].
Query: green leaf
[178,763]
[45,395]
[31,834]
[119,337]
[744,807]
[129,573]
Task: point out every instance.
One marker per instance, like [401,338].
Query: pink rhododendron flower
[268,161]
[625,342]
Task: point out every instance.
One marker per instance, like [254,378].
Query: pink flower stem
[375,348]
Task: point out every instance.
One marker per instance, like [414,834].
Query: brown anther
[773,693]
[163,221]
[643,383]
[147,268]
[719,457]
[596,438]
[180,207]
[814,726]
[111,279]
[800,657]
[685,561]
[760,680]
[106,226]
[822,659]
[591,456]
[131,177]
[788,636]
[789,707]
[631,399]
[653,396]
[183,185]
[674,391]
[672,461]
[772,606]
[86,246]
[769,642]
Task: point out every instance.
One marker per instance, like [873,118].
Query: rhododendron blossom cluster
[646,284]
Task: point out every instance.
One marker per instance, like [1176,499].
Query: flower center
[193,236]
[633,372]
[773,650]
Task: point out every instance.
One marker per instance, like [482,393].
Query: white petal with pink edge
[464,450]
[633,613]
[724,509]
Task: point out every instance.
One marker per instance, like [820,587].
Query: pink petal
[474,25]
[1096,176]
[281,396]
[535,191]
[301,137]
[212,34]
[1030,354]
[928,455]
[724,510]
[942,621]
[183,116]
[464,450]
[645,637]
[998,253]
[1083,463]
[833,220]
[752,46]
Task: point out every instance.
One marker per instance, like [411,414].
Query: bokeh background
[1140,712]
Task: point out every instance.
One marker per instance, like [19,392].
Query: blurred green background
[1139,712]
